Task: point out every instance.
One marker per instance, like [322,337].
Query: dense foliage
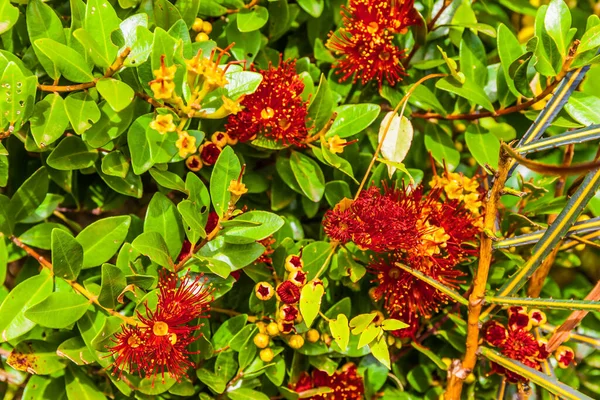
[323,199]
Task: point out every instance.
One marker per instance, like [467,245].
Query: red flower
[346,383]
[366,39]
[276,110]
[211,222]
[209,153]
[516,342]
[159,344]
[409,317]
[288,292]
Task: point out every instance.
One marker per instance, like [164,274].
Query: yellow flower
[164,72]
[237,188]
[186,144]
[229,107]
[163,123]
[336,144]
[163,85]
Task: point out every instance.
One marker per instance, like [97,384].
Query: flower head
[186,144]
[366,40]
[209,153]
[288,292]
[516,342]
[194,163]
[275,110]
[264,291]
[564,356]
[336,144]
[160,343]
[346,383]
[163,86]
[163,123]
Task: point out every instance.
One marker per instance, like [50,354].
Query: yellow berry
[206,27]
[391,340]
[197,25]
[266,355]
[447,361]
[296,341]
[272,329]
[261,340]
[313,335]
[201,37]
[470,378]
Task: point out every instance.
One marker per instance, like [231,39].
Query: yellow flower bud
[266,355]
[261,340]
[313,335]
[296,341]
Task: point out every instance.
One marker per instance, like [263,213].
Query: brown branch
[459,371]
[113,69]
[562,333]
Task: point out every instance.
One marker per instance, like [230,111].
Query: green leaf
[263,225]
[153,246]
[100,21]
[228,330]
[441,146]
[192,219]
[247,394]
[352,119]
[548,60]
[484,146]
[321,106]
[240,83]
[29,196]
[42,22]
[92,48]
[110,125]
[314,256]
[340,331]
[310,301]
[67,255]
[539,378]
[590,39]
[313,7]
[469,90]
[188,10]
[39,235]
[252,19]
[101,239]
[75,350]
[82,111]
[49,120]
[380,351]
[79,386]
[368,335]
[584,108]
[509,50]
[115,164]
[70,63]
[309,175]
[473,59]
[131,185]
[558,23]
[9,15]
[165,13]
[226,169]
[163,218]
[3,259]
[361,322]
[71,153]
[27,293]
[113,283]
[117,94]
[6,217]
[35,357]
[168,180]
[59,310]
[17,93]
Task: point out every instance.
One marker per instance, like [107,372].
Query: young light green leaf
[49,120]
[310,300]
[9,15]
[252,19]
[398,139]
[226,169]
[361,322]
[380,351]
[340,331]
[391,324]
[69,62]
[117,94]
[368,335]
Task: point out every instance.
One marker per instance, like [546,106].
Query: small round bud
[564,356]
[398,344]
[201,37]
[537,317]
[298,278]
[219,138]
[285,327]
[470,378]
[447,361]
[296,341]
[312,335]
[272,329]
[326,338]
[207,27]
[266,355]
[197,25]
[261,340]
[262,327]
[391,340]
[264,291]
[293,263]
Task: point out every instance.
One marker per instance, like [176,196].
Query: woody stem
[459,371]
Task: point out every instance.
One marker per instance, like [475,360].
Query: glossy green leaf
[29,196]
[49,120]
[484,146]
[39,235]
[468,90]
[9,15]
[352,119]
[509,50]
[71,153]
[81,110]
[309,175]
[71,64]
[59,310]
[115,164]
[113,283]
[168,179]
[101,239]
[321,106]
[153,246]
[67,255]
[441,146]
[558,23]
[263,224]
[100,20]
[251,19]
[163,218]
[79,386]
[17,92]
[226,169]
[117,94]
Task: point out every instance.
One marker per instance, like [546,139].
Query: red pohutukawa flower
[516,341]
[160,343]
[346,383]
[366,39]
[276,110]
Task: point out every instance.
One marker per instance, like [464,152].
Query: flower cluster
[516,341]
[275,110]
[366,39]
[428,232]
[159,343]
[203,75]
[346,383]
